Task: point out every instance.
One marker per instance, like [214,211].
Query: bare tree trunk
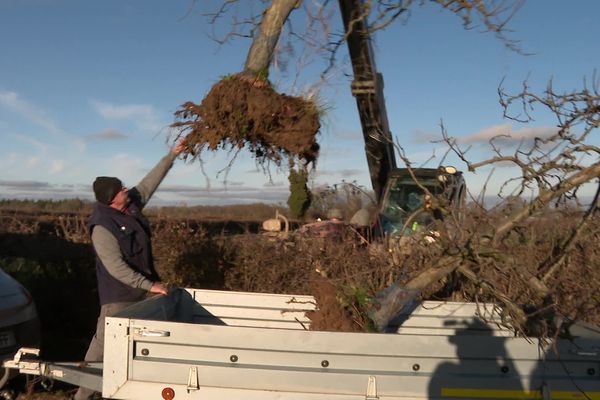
[263,45]
[397,297]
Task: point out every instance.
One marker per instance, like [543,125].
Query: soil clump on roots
[331,315]
[239,113]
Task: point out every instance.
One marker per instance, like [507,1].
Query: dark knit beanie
[106,188]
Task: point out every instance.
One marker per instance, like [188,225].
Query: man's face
[121,199]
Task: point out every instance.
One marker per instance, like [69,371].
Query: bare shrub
[186,256]
[237,213]
[348,197]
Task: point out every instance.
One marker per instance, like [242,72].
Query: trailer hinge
[193,379]
[372,389]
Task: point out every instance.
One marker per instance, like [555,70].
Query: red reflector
[168,393]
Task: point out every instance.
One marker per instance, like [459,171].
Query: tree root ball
[239,112]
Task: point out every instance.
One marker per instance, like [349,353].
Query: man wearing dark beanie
[122,242]
[106,188]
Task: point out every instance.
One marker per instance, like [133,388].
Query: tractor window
[403,200]
[407,197]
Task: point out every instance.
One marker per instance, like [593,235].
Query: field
[46,247]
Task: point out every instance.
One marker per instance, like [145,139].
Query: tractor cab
[412,202]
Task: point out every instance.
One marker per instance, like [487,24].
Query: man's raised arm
[147,186]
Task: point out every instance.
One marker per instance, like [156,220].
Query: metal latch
[27,367]
[151,333]
[25,350]
[193,380]
[372,389]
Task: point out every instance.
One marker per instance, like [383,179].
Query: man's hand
[160,288]
[178,148]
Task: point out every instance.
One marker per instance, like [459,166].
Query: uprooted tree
[243,110]
[504,255]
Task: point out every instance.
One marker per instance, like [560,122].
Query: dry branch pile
[345,276]
[240,113]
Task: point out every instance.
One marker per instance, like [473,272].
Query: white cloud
[342,173]
[420,136]
[24,185]
[166,194]
[7,161]
[37,116]
[32,162]
[220,195]
[128,168]
[274,184]
[144,116]
[80,145]
[57,166]
[10,99]
[505,133]
[333,153]
[33,189]
[40,146]
[34,114]
[44,158]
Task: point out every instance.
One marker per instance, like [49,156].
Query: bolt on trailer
[205,344]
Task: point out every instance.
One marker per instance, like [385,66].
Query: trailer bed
[203,344]
[206,344]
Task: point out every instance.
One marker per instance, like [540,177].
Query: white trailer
[204,344]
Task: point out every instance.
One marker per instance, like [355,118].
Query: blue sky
[89,88]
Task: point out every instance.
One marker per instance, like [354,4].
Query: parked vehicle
[213,345]
[19,323]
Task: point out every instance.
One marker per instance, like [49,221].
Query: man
[122,242]
[332,228]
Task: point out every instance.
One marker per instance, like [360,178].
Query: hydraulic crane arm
[367,88]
